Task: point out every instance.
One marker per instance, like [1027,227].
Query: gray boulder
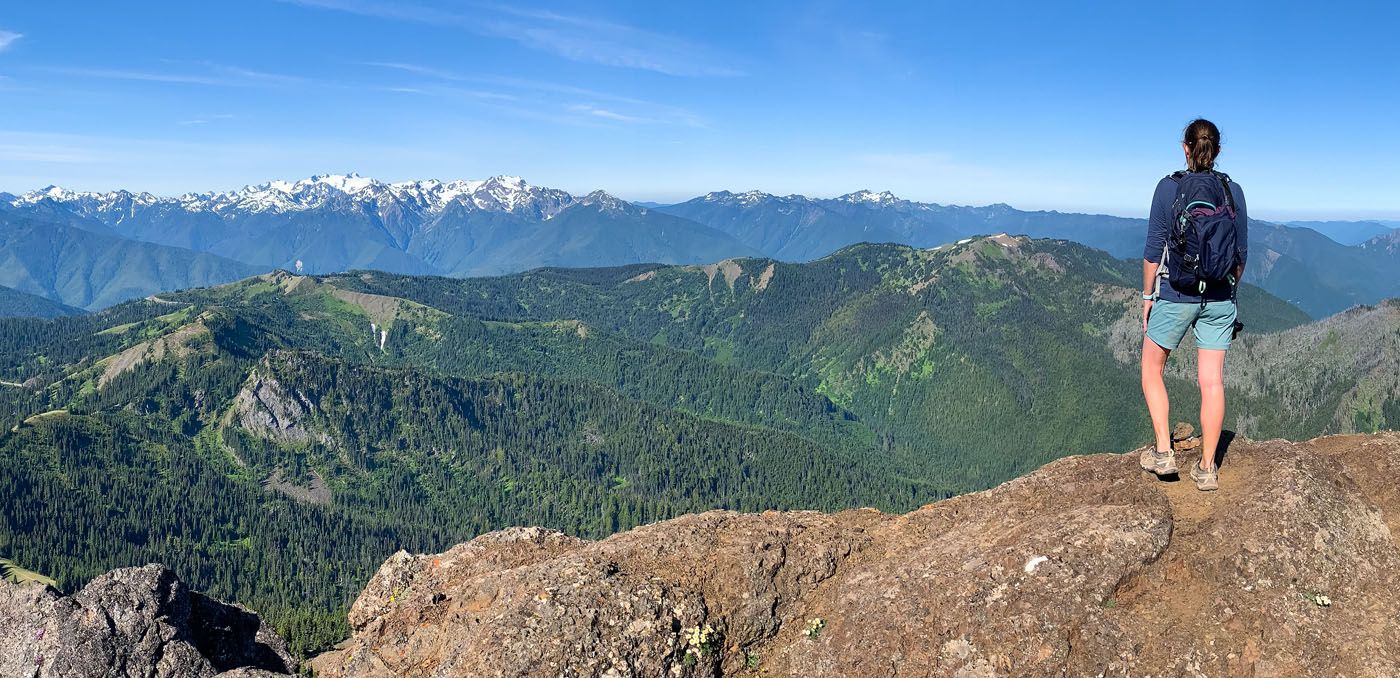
[136,621]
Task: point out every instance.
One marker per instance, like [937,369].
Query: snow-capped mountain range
[508,194]
[500,193]
[338,222]
[503,223]
[750,198]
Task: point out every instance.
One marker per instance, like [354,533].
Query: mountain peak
[751,197]
[746,198]
[867,196]
[607,201]
[346,183]
[1388,242]
[50,192]
[508,181]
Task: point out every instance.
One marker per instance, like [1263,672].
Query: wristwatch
[1147,297]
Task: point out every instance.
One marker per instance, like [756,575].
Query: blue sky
[1040,105]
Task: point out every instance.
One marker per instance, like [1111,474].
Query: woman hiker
[1192,263]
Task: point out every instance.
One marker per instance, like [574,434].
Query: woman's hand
[1146,310]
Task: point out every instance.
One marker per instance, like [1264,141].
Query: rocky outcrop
[139,621]
[266,408]
[1085,567]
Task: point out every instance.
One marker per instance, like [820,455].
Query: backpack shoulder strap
[1225,186]
[1177,203]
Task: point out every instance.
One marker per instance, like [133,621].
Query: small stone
[1188,444]
[1182,431]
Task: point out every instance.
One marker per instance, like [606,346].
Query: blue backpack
[1203,240]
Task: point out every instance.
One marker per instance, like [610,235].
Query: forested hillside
[274,439]
[90,269]
[14,303]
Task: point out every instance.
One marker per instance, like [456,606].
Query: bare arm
[1158,226]
[1149,287]
[1149,276]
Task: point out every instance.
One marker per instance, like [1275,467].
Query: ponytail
[1202,139]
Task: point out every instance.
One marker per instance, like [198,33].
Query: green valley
[274,439]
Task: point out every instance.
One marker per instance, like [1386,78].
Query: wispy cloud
[589,109]
[205,119]
[608,43]
[8,38]
[437,74]
[145,76]
[190,73]
[456,92]
[416,69]
[549,96]
[384,10]
[572,37]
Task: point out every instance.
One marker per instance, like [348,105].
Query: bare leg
[1154,360]
[1210,374]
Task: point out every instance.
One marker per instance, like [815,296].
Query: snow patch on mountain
[501,193]
[750,198]
[870,197]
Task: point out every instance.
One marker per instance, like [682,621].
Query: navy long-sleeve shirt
[1159,225]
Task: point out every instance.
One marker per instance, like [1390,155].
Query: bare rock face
[270,410]
[139,621]
[1085,567]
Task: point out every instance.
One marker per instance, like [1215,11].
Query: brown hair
[1202,138]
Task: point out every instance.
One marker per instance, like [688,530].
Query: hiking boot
[1158,462]
[1206,481]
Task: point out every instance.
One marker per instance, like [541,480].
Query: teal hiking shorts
[1214,323]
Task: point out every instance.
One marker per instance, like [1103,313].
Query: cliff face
[136,621]
[1085,567]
